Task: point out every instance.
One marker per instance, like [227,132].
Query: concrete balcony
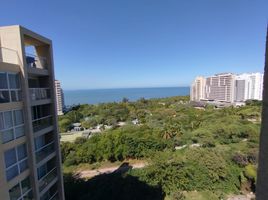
[36,64]
[40,96]
[39,93]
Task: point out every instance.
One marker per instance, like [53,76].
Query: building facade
[198,89]
[59,97]
[227,87]
[220,87]
[30,162]
[248,86]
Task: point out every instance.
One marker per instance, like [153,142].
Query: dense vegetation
[216,148]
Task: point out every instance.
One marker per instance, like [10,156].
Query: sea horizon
[96,96]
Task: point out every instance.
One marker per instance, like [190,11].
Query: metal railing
[50,176]
[44,151]
[41,123]
[34,61]
[39,93]
[9,56]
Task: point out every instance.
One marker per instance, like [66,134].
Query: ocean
[95,96]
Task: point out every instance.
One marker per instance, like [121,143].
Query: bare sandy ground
[107,170]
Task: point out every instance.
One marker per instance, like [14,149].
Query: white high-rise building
[242,85]
[198,89]
[220,87]
[59,97]
[228,87]
[30,157]
[256,86]
[248,86]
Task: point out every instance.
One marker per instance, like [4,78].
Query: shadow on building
[114,186]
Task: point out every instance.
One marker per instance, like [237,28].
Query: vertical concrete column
[262,179]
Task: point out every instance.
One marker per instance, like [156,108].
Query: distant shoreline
[95,96]
[67,90]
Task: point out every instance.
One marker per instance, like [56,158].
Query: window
[18,117]
[13,81]
[21,191]
[11,125]
[15,161]
[10,157]
[15,192]
[10,90]
[3,81]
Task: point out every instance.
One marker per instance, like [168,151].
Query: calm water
[115,95]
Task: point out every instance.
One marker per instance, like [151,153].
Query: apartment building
[30,162]
[220,87]
[198,89]
[59,97]
[248,86]
[256,86]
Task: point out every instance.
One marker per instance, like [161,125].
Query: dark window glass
[3,81]
[4,96]
[15,193]
[18,117]
[25,185]
[23,166]
[13,81]
[13,95]
[19,131]
[22,152]
[7,136]
[12,172]
[8,119]
[2,126]
[10,157]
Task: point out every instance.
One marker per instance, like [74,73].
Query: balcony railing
[36,61]
[39,93]
[50,176]
[41,123]
[9,56]
[44,151]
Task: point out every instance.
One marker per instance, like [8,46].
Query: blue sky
[145,43]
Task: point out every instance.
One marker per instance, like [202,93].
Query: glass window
[18,115]
[41,171]
[8,119]
[25,185]
[21,191]
[39,142]
[15,192]
[10,157]
[13,96]
[2,125]
[12,172]
[4,96]
[7,135]
[22,152]
[19,131]
[28,196]
[23,166]
[19,95]
[3,81]
[13,81]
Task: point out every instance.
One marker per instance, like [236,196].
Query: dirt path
[241,197]
[108,170]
